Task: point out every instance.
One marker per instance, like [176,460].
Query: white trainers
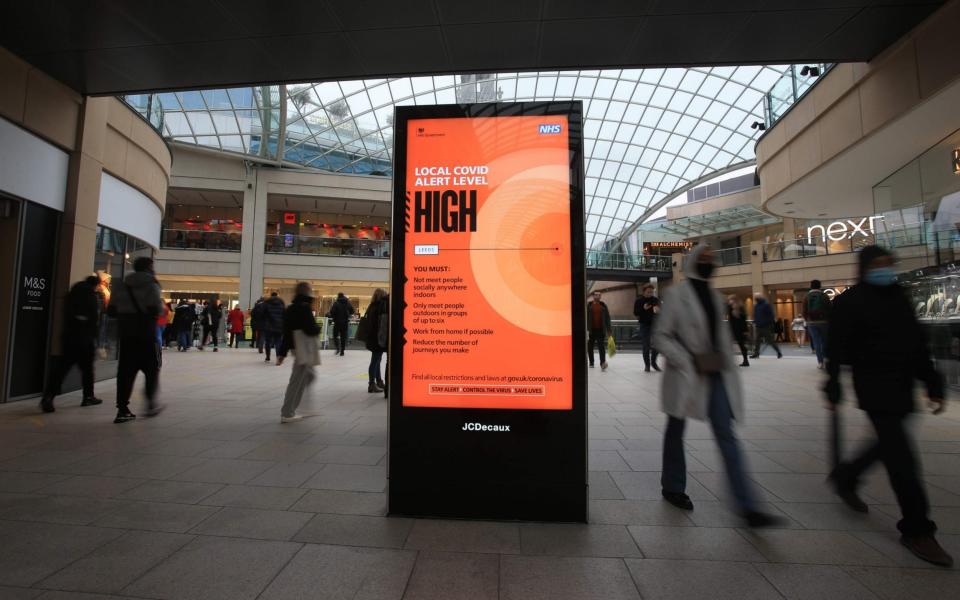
[292,419]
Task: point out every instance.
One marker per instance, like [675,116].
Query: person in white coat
[701,382]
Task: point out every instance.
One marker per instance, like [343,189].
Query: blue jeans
[818,339]
[674,475]
[183,340]
[374,370]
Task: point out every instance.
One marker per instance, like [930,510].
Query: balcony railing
[328,246]
[791,86]
[627,261]
[195,239]
[149,107]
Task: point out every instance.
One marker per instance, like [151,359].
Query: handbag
[706,363]
[305,349]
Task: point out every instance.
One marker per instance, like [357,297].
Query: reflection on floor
[217,499]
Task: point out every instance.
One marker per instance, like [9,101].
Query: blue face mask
[883,276]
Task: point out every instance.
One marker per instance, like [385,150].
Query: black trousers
[597,337]
[894,448]
[210,331]
[649,352]
[137,355]
[234,340]
[75,352]
[764,335]
[340,336]
[742,342]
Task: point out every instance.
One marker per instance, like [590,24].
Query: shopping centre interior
[246,149]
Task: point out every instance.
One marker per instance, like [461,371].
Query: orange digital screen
[487,264]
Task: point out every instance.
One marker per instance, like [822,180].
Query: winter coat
[298,317]
[738,323]
[257,314]
[873,329]
[81,312]
[273,308]
[184,316]
[373,320]
[682,328]
[139,290]
[341,310]
[235,318]
[763,315]
[606,316]
[211,316]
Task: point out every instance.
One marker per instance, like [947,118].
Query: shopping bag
[611,347]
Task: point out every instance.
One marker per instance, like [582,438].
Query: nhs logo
[549,129]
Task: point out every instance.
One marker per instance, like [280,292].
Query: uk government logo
[549,129]
[483,427]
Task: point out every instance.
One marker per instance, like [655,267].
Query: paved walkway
[216,499]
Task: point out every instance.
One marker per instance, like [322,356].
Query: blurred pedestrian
[136,303]
[764,320]
[646,308]
[257,314]
[183,317]
[816,313]
[210,323]
[300,331]
[272,326]
[235,318]
[874,330]
[78,343]
[701,382]
[377,318]
[598,328]
[737,317]
[340,313]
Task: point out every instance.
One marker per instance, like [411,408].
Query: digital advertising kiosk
[487,326]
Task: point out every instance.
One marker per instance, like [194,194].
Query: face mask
[705,270]
[883,276]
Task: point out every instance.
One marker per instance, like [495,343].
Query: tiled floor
[217,499]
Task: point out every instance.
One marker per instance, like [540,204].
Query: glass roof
[647,132]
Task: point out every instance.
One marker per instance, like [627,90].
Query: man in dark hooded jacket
[873,330]
[272,324]
[81,316]
[136,302]
[340,314]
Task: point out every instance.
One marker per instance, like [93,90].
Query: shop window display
[934,294]
[115,253]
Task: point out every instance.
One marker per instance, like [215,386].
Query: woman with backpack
[816,313]
[377,320]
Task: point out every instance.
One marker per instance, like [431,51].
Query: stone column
[78,228]
[253,238]
[756,268]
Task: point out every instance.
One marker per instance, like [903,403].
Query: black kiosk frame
[538,470]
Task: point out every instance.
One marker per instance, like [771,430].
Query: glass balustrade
[198,239]
[327,246]
[625,260]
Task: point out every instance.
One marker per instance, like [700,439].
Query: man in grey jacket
[136,303]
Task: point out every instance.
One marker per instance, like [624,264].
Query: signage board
[487,370]
[34,299]
[667,248]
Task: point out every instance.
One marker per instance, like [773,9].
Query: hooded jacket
[874,330]
[298,317]
[341,310]
[681,330]
[137,304]
[273,308]
[81,313]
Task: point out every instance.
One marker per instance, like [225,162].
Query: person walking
[340,314]
[78,343]
[598,328]
[300,331]
[256,320]
[763,322]
[737,317]
[873,330]
[646,308]
[799,327]
[272,326]
[136,303]
[162,320]
[210,322]
[183,317]
[816,312]
[701,382]
[235,319]
[377,319]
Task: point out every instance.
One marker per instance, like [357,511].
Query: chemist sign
[488,313]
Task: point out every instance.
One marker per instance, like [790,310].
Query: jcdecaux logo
[549,129]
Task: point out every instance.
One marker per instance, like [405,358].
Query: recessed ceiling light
[788,202]
[790,212]
[822,214]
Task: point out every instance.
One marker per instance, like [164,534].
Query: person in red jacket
[235,321]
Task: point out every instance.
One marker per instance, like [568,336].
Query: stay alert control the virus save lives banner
[487,263]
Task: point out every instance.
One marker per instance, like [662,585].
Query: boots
[745,363]
[373,388]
